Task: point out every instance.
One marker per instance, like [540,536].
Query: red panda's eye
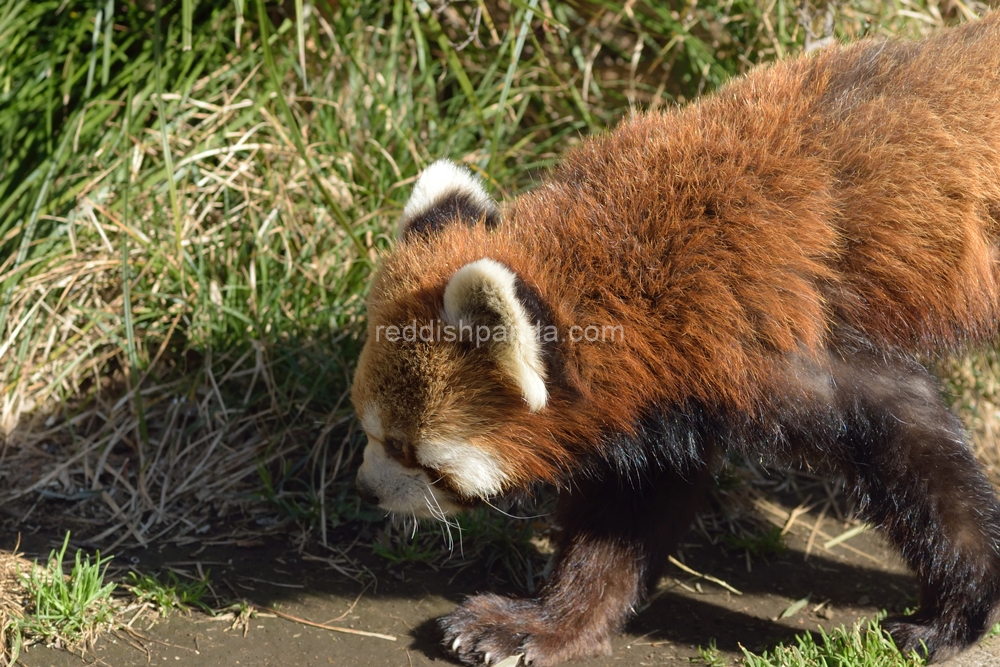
[394,446]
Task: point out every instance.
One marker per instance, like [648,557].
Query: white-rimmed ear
[446,193]
[484,294]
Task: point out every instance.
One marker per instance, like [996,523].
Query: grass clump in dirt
[67,609]
[710,656]
[768,543]
[409,547]
[864,644]
[170,593]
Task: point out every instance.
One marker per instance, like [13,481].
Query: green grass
[507,543]
[770,543]
[862,645]
[170,593]
[67,608]
[710,656]
[402,549]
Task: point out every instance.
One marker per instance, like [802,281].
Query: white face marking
[474,472]
[371,423]
[401,489]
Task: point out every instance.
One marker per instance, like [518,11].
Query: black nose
[366,493]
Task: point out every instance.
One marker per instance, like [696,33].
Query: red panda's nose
[365,492]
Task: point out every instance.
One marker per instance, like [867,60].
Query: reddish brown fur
[777,255]
[859,187]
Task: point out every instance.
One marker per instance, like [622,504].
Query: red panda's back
[912,132]
[858,187]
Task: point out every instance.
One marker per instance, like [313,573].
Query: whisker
[537,516]
[434,506]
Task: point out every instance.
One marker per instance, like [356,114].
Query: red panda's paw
[924,639]
[488,628]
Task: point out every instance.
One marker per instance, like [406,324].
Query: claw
[455,644]
[486,658]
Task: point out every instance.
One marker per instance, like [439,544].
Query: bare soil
[846,582]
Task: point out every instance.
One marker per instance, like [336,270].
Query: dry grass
[156,461]
[973,382]
[12,601]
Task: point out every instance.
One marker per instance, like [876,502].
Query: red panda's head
[452,368]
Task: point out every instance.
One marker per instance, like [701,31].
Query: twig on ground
[332,628]
[706,577]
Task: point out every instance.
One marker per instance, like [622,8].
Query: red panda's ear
[446,193]
[484,294]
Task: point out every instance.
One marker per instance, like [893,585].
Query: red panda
[761,272]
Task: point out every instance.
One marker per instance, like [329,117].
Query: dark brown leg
[917,480]
[614,543]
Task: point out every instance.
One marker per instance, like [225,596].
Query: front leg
[616,536]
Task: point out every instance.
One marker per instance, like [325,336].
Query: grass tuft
[769,543]
[864,644]
[710,656]
[510,547]
[170,594]
[68,609]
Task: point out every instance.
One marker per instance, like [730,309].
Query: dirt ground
[847,581]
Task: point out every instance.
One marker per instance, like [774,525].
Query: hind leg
[915,477]
[614,542]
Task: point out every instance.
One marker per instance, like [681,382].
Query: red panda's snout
[429,472]
[385,481]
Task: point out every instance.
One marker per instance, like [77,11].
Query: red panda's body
[771,261]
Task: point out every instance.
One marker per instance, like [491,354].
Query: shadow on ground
[843,584]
